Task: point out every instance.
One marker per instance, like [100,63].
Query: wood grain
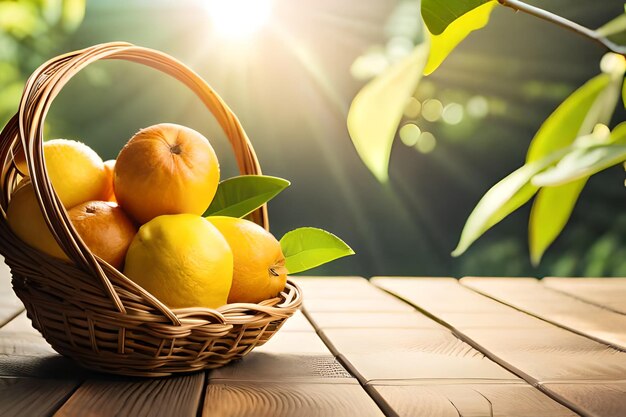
[382,303]
[25,353]
[444,295]
[609,293]
[552,354]
[301,343]
[336,287]
[172,396]
[411,354]
[529,295]
[594,399]
[273,399]
[501,400]
[542,355]
[32,397]
[365,320]
[262,366]
[297,323]
[10,305]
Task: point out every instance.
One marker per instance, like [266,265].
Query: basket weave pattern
[86,309]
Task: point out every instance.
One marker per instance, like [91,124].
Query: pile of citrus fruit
[154,214]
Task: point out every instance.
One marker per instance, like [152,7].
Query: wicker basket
[86,309]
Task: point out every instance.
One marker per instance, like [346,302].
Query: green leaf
[582,163]
[377,110]
[502,199]
[240,196]
[563,126]
[624,93]
[549,214]
[443,42]
[614,30]
[308,247]
[438,14]
[592,103]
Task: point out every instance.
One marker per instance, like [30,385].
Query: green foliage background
[296,120]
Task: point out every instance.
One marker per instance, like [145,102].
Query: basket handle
[41,89]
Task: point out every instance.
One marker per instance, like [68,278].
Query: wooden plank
[33,397]
[18,337]
[547,355]
[411,354]
[262,366]
[25,353]
[496,400]
[281,399]
[542,355]
[609,293]
[10,305]
[335,287]
[529,295]
[292,374]
[365,320]
[291,354]
[300,343]
[297,323]
[383,303]
[172,396]
[443,294]
[593,399]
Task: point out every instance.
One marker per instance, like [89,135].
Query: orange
[259,264]
[183,260]
[26,221]
[166,169]
[105,229]
[109,193]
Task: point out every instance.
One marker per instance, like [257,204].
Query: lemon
[26,221]
[183,260]
[76,171]
[259,270]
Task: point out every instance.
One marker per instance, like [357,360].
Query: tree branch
[565,23]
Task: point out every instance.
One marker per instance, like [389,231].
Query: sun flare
[238,19]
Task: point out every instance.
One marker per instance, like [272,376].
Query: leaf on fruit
[449,22]
[308,247]
[240,196]
[502,199]
[377,110]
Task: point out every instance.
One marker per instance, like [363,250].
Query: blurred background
[290,68]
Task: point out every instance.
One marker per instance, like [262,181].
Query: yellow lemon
[183,260]
[76,171]
[26,221]
[259,270]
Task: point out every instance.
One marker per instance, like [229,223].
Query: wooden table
[390,346]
